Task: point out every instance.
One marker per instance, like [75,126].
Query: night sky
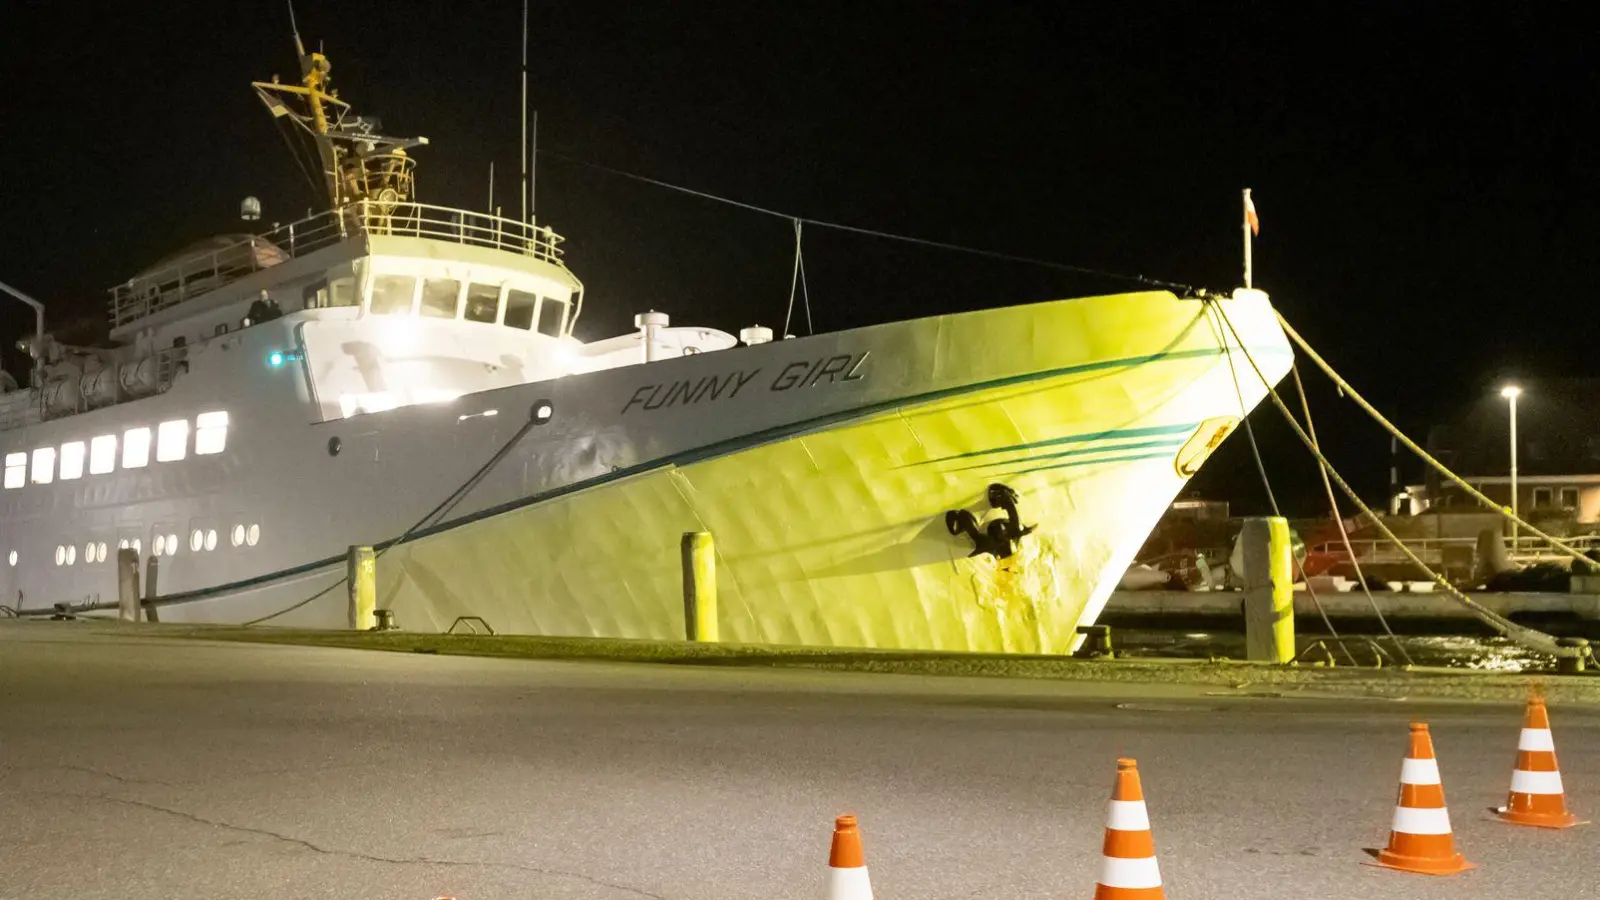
[1428,208]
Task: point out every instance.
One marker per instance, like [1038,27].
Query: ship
[394,374]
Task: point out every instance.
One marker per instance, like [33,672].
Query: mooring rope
[1527,637]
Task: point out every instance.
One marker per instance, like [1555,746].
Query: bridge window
[16,470]
[551,312]
[44,465]
[440,297]
[483,303]
[391,294]
[172,440]
[211,433]
[136,448]
[342,292]
[1569,498]
[520,306]
[102,454]
[72,460]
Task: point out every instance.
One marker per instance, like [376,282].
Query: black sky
[1428,203]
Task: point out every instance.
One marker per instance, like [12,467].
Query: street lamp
[1511,392]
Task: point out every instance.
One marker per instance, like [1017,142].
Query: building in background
[1558,456]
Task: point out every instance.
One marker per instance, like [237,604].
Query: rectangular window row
[448,298]
[170,440]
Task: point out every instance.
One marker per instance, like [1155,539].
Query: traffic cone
[1420,838]
[1128,869]
[847,866]
[1536,795]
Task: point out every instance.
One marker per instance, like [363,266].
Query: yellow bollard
[128,585]
[361,574]
[1269,590]
[699,587]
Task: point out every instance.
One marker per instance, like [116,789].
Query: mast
[523,196]
[358,164]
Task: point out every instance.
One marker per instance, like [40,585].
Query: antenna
[299,48]
[491,184]
[533,171]
[524,154]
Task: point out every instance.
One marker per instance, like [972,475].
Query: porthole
[197,539]
[238,535]
[135,545]
[72,554]
[102,548]
[88,552]
[122,544]
[211,539]
[172,545]
[61,555]
[160,544]
[13,558]
[253,535]
[542,411]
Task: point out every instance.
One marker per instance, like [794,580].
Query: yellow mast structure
[357,164]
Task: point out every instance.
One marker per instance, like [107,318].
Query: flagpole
[1248,273]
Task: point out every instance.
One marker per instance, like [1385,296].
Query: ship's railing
[1433,550]
[202,273]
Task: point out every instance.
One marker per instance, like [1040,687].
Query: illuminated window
[16,470]
[211,540]
[13,558]
[391,294]
[122,544]
[88,552]
[440,297]
[61,555]
[483,303]
[172,545]
[551,313]
[72,460]
[238,535]
[72,554]
[44,465]
[520,306]
[102,548]
[159,545]
[135,545]
[211,433]
[172,440]
[136,448]
[342,292]
[102,454]
[252,535]
[197,539]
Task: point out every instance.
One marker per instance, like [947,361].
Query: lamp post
[1511,392]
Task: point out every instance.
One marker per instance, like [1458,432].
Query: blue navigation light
[276,358]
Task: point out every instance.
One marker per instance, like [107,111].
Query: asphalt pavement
[139,767]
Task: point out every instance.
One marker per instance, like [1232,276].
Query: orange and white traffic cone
[1420,839]
[1537,797]
[847,865]
[1128,869]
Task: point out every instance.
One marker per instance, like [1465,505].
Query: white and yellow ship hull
[823,467]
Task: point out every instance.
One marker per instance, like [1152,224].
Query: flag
[1250,215]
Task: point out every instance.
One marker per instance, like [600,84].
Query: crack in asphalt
[353,854]
[90,770]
